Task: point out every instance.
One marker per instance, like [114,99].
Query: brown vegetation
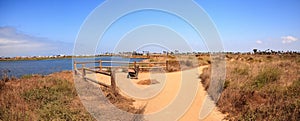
[180,62]
[260,87]
[52,97]
[41,98]
[147,82]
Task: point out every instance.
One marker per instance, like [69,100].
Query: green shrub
[294,89]
[47,94]
[8,115]
[188,63]
[267,75]
[151,60]
[241,71]
[226,84]
[27,76]
[52,101]
[298,60]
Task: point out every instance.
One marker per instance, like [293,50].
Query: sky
[50,27]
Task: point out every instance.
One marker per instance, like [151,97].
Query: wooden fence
[110,70]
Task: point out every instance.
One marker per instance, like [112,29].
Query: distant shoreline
[64,57]
[143,56]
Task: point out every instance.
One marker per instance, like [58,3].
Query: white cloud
[15,43]
[4,41]
[259,42]
[288,39]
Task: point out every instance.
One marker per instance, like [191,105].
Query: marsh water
[45,67]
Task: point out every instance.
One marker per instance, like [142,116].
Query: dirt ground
[170,85]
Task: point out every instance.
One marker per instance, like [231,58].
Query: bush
[294,89]
[226,84]
[241,71]
[52,101]
[188,63]
[27,76]
[151,60]
[205,77]
[262,90]
[2,84]
[267,75]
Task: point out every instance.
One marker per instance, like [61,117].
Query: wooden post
[75,68]
[83,71]
[83,66]
[134,64]
[167,66]
[113,82]
[100,65]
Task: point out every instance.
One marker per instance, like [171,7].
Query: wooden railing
[143,65]
[101,69]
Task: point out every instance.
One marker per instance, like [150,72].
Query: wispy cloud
[15,43]
[259,41]
[288,39]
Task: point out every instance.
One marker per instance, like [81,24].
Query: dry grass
[147,82]
[180,62]
[205,76]
[51,97]
[36,97]
[121,102]
[260,87]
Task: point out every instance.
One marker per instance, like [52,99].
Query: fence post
[113,82]
[83,71]
[167,65]
[134,64]
[75,67]
[100,65]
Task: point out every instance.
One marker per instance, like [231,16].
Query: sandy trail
[170,84]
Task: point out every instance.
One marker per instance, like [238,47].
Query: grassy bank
[52,97]
[36,97]
[260,87]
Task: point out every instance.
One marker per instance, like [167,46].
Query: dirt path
[170,84]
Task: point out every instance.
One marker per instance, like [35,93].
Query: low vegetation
[260,87]
[51,97]
[41,98]
[257,87]
[179,62]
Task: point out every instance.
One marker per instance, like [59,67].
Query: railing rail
[100,69]
[120,62]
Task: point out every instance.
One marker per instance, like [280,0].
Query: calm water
[44,67]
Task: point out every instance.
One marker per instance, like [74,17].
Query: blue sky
[35,27]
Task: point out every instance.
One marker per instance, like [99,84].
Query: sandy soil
[170,85]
